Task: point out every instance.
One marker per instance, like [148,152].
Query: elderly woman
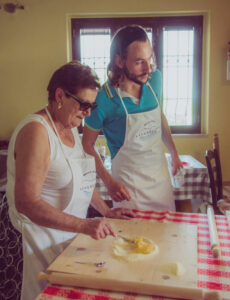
[51,181]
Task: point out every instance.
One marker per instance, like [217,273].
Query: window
[177,43]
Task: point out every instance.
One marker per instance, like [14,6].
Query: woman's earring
[59,105]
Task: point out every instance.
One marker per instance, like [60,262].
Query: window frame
[157,24]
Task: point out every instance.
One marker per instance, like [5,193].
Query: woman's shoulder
[33,124]
[28,135]
[34,117]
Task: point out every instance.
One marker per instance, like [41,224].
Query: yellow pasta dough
[133,249]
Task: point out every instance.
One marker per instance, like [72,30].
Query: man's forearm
[99,204]
[101,170]
[167,136]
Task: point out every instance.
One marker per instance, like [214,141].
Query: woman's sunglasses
[83,104]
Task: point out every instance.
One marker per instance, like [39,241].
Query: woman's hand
[120,213]
[96,228]
[118,191]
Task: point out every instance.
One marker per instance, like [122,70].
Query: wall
[34,42]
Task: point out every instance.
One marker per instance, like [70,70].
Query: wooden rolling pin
[81,280]
[215,246]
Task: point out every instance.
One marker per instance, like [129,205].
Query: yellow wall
[34,42]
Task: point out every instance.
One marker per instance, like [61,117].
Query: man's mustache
[143,74]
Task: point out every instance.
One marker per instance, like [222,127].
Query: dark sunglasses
[83,104]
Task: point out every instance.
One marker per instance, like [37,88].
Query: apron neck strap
[122,102]
[55,130]
[59,139]
[154,94]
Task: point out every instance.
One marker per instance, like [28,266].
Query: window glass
[94,49]
[178,76]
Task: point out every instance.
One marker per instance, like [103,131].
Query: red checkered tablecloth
[212,274]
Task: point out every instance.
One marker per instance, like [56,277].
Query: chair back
[215,176]
[216,143]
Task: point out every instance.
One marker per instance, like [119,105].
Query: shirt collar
[110,91]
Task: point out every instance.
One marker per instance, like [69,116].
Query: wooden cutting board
[177,242]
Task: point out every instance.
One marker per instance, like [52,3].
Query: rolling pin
[176,292]
[215,246]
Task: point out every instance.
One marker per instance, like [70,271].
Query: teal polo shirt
[110,116]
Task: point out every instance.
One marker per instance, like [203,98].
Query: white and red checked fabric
[212,274]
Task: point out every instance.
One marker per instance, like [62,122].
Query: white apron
[140,164]
[41,245]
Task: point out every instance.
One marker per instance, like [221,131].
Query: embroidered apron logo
[150,129]
[87,188]
[90,175]
[89,178]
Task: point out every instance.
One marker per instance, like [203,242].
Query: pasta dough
[134,249]
[175,268]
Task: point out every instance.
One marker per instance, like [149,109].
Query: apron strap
[154,94]
[60,143]
[59,139]
[122,102]
[55,129]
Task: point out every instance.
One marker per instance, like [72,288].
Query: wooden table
[212,274]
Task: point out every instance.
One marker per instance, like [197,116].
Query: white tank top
[57,187]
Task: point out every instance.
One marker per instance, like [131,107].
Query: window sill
[190,135]
[175,135]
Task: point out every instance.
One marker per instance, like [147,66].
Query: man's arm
[88,141]
[116,213]
[169,143]
[117,191]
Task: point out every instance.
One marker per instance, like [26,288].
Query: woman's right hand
[118,191]
[97,228]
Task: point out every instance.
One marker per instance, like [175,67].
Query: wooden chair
[220,202]
[215,176]
[224,203]
[216,143]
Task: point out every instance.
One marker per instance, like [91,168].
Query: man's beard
[133,77]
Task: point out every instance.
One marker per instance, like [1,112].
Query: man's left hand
[176,164]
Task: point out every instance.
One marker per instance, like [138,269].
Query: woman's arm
[32,156]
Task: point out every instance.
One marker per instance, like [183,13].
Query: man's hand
[120,213]
[118,191]
[176,164]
